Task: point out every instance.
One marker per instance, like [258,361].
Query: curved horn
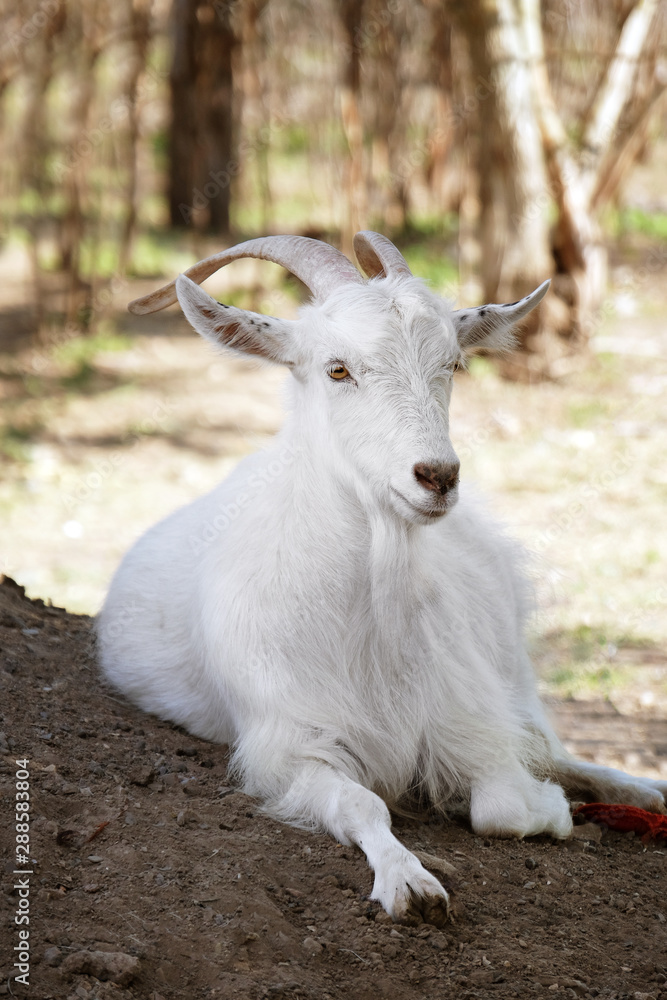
[379,257]
[321,268]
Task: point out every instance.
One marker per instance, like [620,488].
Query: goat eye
[338,372]
[457,366]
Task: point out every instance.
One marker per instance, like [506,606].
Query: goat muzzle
[437,477]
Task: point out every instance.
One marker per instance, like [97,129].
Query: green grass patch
[78,356]
[157,253]
[80,378]
[83,350]
[432,264]
[582,413]
[635,221]
[422,228]
[481,368]
[15,440]
[590,661]
[99,259]
[570,680]
[294,139]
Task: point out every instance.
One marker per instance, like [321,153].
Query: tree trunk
[202,162]
[387,27]
[138,20]
[523,141]
[183,133]
[215,47]
[32,152]
[256,117]
[577,176]
[78,310]
[351,14]
[514,226]
[445,194]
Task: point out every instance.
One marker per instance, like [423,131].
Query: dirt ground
[153,878]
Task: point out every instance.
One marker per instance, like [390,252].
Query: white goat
[334,609]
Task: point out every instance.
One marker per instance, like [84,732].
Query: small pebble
[141,775]
[312,946]
[192,788]
[439,941]
[52,956]
[117,967]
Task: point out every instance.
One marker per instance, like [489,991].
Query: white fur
[310,612]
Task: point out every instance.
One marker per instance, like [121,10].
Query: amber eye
[338,372]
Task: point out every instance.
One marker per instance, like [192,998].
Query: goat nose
[440,477]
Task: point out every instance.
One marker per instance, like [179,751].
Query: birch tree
[530,163]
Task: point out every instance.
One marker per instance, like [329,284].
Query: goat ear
[238,329]
[490,326]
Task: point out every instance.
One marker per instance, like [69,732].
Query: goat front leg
[510,802]
[323,797]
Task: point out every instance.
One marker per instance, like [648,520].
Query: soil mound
[154,878]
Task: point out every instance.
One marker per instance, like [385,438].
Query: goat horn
[321,267]
[378,256]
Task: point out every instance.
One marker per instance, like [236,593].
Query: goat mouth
[423,511]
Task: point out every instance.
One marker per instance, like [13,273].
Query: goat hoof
[426,909]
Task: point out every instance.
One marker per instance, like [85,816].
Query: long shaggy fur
[314,613]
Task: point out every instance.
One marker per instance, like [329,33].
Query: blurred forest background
[498,142]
